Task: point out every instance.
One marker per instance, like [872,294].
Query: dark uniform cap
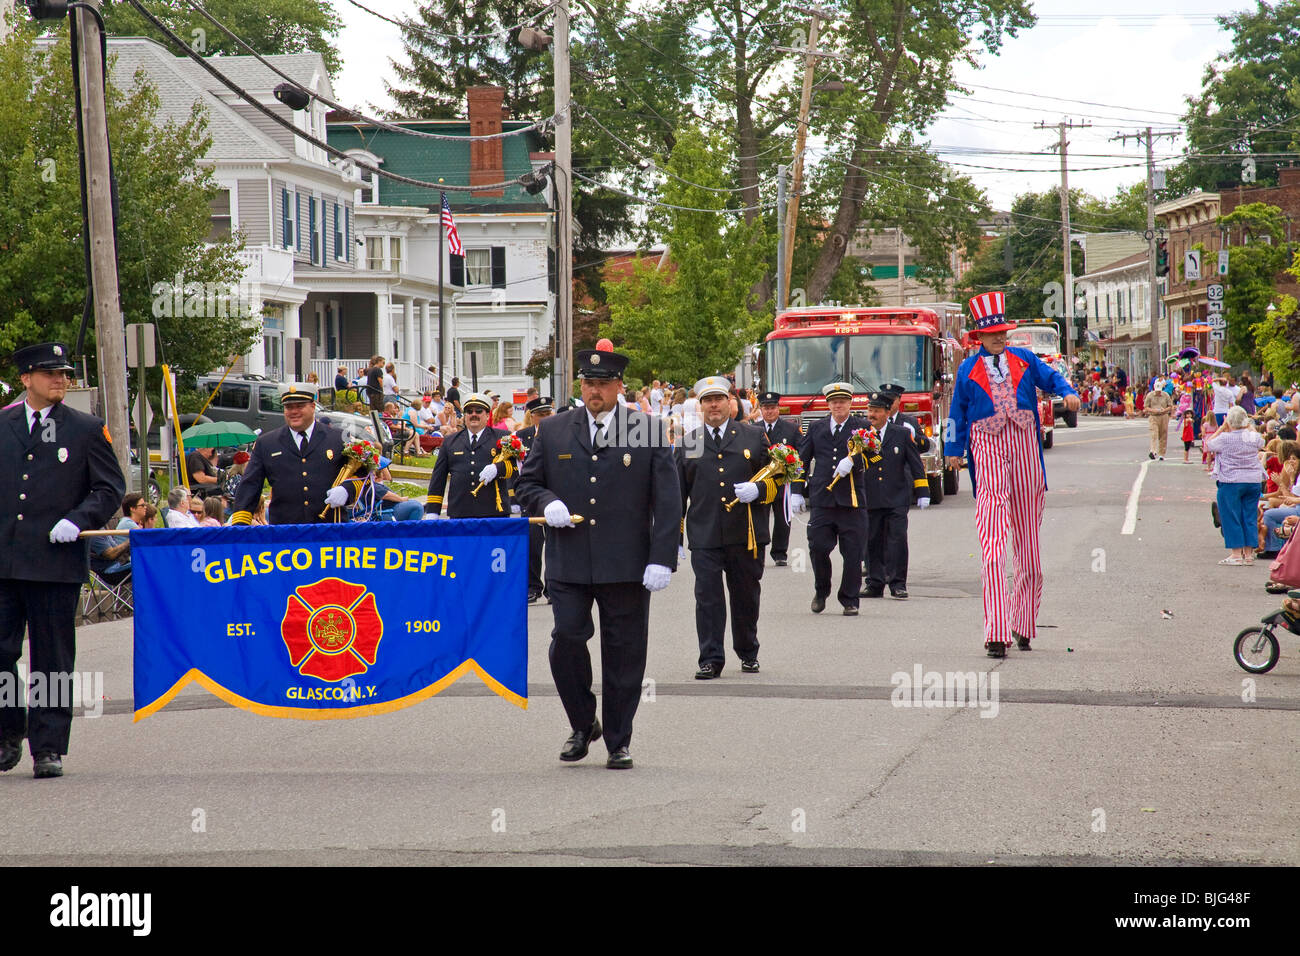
[298,393]
[769,398]
[894,387]
[881,399]
[596,364]
[49,356]
[539,404]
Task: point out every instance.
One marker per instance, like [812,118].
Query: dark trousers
[743,572]
[536,540]
[827,526]
[886,551]
[780,529]
[48,612]
[624,628]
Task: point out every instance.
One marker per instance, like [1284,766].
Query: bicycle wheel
[1256,650]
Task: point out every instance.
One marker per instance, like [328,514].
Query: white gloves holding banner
[656,577]
[336,497]
[746,491]
[65,532]
[557,515]
[844,467]
[489,473]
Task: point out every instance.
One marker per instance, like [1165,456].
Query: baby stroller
[1256,649]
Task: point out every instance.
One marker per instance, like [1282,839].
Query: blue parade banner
[319,622]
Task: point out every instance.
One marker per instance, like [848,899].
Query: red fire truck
[915,345]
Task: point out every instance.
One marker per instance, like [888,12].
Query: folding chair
[108,595]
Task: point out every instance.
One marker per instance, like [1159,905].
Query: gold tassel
[497,485]
[753,545]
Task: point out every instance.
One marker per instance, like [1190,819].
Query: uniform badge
[746,452]
[329,453]
[63,455]
[627,461]
[58,350]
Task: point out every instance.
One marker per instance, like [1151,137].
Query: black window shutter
[498,267]
[550,270]
[457,264]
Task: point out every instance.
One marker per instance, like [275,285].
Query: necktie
[473,442]
[36,422]
[717,436]
[835,431]
[302,440]
[599,433]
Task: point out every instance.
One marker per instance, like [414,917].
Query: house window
[314,233]
[478,267]
[339,247]
[369,187]
[219,209]
[488,360]
[375,253]
[395,253]
[288,217]
[512,362]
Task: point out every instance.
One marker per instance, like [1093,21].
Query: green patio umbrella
[217,435]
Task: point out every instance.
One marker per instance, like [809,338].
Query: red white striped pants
[1009,490]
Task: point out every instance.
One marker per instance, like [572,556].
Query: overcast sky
[1140,65]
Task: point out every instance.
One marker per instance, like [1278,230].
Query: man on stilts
[995,426]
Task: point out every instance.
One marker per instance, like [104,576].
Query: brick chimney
[486,109]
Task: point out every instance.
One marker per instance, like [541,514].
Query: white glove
[336,497]
[489,473]
[746,491]
[656,577]
[557,515]
[65,532]
[797,503]
[516,511]
[844,467]
[430,517]
[681,554]
[923,503]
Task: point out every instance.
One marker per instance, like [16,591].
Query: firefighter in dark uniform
[922,444]
[301,454]
[58,477]
[715,463]
[894,475]
[776,430]
[535,410]
[837,514]
[613,465]
[465,460]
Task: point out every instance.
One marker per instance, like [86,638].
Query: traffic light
[1162,257]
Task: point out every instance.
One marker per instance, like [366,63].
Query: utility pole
[780,236]
[902,271]
[110,333]
[563,183]
[1153,296]
[1068,263]
[801,138]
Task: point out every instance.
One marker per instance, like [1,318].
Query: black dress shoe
[534,596]
[619,759]
[995,649]
[818,604]
[1022,642]
[575,748]
[708,672]
[871,592]
[779,562]
[11,751]
[850,612]
[48,765]
[749,667]
[900,593]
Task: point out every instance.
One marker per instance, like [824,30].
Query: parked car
[257,404]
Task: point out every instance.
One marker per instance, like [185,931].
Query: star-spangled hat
[989,310]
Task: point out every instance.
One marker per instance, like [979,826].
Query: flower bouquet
[357,455]
[509,448]
[783,464]
[860,441]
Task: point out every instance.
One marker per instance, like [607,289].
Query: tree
[268,26]
[693,318]
[1249,99]
[453,46]
[1277,334]
[1253,268]
[163,219]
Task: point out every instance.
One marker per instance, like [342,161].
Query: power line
[301,134]
[440,37]
[655,202]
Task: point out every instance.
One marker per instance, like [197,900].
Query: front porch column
[426,335]
[383,324]
[408,330]
[255,360]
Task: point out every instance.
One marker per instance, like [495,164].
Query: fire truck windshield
[802,366]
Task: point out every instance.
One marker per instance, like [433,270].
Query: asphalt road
[1123,737]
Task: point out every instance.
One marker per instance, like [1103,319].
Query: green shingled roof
[431,159]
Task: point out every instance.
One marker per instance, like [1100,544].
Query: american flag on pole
[448,223]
